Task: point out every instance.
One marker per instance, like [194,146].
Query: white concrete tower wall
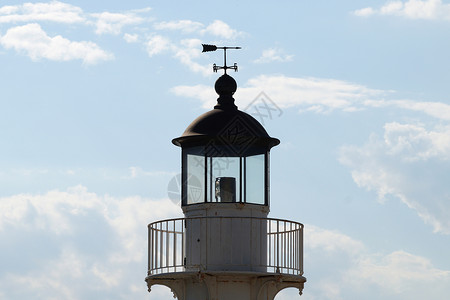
[229,237]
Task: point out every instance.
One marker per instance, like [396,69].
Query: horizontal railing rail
[279,249]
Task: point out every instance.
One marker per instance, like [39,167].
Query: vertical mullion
[206,178]
[184,171]
[209,167]
[266,178]
[242,172]
[245,179]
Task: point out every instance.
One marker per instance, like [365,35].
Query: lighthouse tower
[225,247]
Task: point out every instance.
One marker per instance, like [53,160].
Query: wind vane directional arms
[209,48]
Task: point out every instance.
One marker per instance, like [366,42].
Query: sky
[92,93]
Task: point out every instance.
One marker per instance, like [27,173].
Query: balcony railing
[227,243]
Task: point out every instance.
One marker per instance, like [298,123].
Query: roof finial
[209,48]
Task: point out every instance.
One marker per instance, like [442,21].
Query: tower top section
[226,124]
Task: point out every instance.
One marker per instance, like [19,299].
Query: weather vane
[209,48]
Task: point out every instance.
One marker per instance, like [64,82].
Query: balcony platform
[257,285]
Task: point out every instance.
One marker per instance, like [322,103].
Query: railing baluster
[301,251]
[295,247]
[270,242]
[158,253]
[167,245]
[278,246]
[174,262]
[298,247]
[183,225]
[161,245]
[297,243]
[290,247]
[150,252]
[284,244]
[261,241]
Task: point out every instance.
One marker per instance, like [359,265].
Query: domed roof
[225,124]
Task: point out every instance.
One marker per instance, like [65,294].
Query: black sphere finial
[225,87]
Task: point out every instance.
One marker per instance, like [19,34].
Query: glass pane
[195,187]
[254,179]
[224,179]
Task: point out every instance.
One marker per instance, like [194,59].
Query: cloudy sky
[91,95]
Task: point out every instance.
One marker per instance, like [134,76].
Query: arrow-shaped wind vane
[210,48]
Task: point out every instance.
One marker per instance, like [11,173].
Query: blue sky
[92,94]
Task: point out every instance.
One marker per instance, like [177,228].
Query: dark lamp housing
[226,189]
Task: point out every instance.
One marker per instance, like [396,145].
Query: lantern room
[225,154]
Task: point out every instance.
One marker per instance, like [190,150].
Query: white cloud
[412,9]
[185,26]
[157,44]
[414,142]
[46,212]
[131,38]
[200,91]
[364,12]
[343,268]
[221,29]
[434,109]
[310,94]
[401,272]
[217,28]
[320,95]
[85,244]
[411,163]
[331,241]
[53,11]
[136,172]
[106,23]
[75,244]
[112,23]
[35,43]
[273,54]
[392,8]
[187,52]
[8,9]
